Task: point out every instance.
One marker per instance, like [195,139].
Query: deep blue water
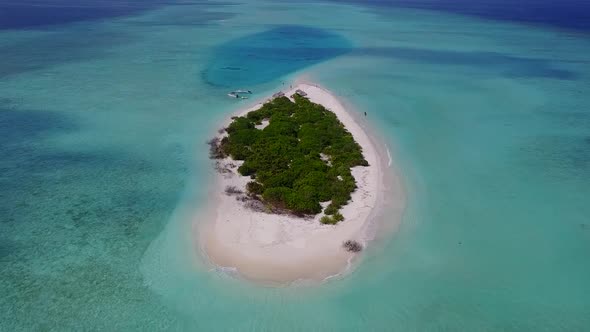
[570,14]
[39,14]
[31,14]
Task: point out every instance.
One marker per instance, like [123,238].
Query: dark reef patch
[506,65]
[71,219]
[60,48]
[18,126]
[562,157]
[264,56]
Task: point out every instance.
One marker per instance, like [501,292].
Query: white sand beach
[281,249]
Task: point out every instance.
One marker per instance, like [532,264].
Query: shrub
[222,168]
[232,190]
[304,201]
[246,169]
[215,150]
[318,180]
[331,209]
[277,196]
[281,179]
[255,205]
[238,124]
[326,220]
[284,157]
[332,220]
[352,246]
[254,188]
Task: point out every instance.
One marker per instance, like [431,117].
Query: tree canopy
[301,158]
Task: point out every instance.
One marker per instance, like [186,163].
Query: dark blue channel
[264,56]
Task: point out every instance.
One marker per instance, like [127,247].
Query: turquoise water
[103,125]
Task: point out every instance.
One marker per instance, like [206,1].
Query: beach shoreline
[283,249]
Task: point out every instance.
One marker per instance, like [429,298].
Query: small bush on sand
[327,220]
[255,205]
[332,220]
[232,190]
[215,150]
[254,188]
[330,210]
[352,246]
[222,168]
[242,198]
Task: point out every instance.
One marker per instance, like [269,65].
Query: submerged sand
[281,248]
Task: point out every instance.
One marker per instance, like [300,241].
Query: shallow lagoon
[104,123]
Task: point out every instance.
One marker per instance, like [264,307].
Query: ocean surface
[105,107]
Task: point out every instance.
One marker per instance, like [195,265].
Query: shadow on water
[507,65]
[264,56]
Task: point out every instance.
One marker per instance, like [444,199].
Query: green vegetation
[301,158]
[333,219]
[254,188]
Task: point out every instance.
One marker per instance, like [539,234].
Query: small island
[298,155]
[297,187]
